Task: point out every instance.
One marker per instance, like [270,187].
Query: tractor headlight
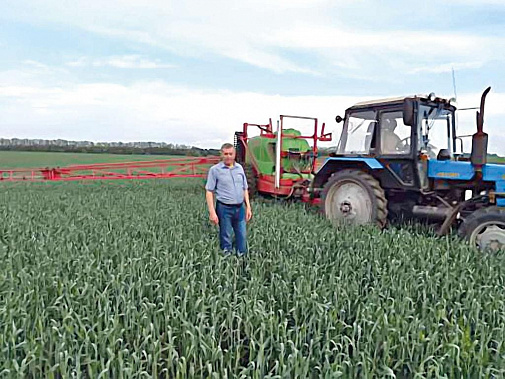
[431,96]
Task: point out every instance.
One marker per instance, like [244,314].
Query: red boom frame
[156,169]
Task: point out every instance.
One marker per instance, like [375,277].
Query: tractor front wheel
[485,229]
[354,197]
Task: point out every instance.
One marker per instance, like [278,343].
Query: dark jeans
[232,218]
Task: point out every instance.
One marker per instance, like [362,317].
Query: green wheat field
[28,159]
[124,279]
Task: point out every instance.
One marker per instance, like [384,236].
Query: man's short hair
[227,146]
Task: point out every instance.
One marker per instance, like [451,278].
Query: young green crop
[125,279]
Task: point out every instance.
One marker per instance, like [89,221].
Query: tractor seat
[444,155]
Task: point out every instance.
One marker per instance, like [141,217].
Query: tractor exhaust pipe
[479,140]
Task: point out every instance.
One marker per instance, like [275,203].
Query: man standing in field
[228,182]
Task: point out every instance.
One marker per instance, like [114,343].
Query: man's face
[228,155]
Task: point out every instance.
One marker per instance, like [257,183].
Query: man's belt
[230,205]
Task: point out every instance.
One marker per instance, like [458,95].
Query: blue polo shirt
[228,183]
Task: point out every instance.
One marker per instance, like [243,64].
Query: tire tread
[476,218]
[377,192]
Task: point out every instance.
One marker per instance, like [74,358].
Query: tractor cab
[402,146]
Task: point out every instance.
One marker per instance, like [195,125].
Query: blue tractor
[402,159]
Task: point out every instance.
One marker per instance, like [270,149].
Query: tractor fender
[334,164]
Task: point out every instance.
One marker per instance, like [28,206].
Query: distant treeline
[490,157]
[193,151]
[495,157]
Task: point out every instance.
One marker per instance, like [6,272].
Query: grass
[125,279]
[498,160]
[28,159]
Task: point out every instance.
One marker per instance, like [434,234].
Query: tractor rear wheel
[252,180]
[354,197]
[485,229]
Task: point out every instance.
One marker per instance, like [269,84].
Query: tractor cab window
[435,129]
[358,132]
[395,135]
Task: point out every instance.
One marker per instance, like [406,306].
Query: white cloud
[478,2]
[123,61]
[447,67]
[36,74]
[267,34]
[35,64]
[156,111]
[149,111]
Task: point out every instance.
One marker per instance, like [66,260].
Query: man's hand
[213,218]
[248,213]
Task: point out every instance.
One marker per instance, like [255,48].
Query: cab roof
[390,101]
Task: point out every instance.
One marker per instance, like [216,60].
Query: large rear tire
[354,197]
[252,180]
[485,229]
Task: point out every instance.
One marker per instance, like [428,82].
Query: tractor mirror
[339,119]
[408,112]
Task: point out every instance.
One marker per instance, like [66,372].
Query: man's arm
[210,187]
[209,196]
[245,186]
[248,210]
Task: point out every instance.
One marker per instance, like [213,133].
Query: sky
[192,72]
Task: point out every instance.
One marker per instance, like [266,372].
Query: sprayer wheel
[252,180]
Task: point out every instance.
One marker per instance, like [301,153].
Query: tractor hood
[464,170]
[450,170]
